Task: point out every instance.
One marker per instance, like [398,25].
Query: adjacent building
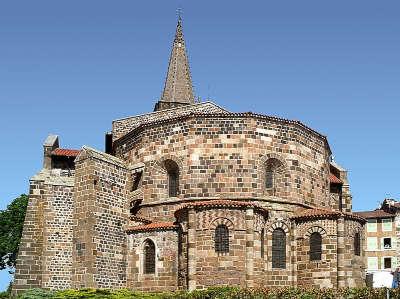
[380,240]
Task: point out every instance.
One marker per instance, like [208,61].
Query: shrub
[218,293]
[36,294]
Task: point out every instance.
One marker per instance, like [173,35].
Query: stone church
[191,196]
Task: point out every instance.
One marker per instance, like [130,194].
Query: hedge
[218,293]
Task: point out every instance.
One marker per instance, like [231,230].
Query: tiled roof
[121,127]
[120,138]
[334,179]
[140,219]
[65,152]
[152,226]
[220,203]
[374,214]
[305,214]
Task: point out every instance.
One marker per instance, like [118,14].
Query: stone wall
[45,256]
[215,268]
[101,212]
[58,234]
[225,157]
[321,273]
[167,261]
[28,273]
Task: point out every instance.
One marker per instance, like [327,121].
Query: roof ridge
[169,109]
[223,114]
[163,225]
[94,153]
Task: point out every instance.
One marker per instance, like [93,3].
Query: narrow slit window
[278,249]
[137,180]
[173,178]
[315,247]
[269,179]
[221,239]
[273,169]
[149,257]
[262,243]
[357,245]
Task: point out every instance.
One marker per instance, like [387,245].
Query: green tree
[11,224]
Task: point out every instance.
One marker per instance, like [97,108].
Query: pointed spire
[178,89]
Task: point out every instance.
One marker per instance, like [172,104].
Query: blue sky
[71,67]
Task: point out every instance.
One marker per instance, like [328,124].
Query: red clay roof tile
[221,203]
[304,214]
[334,179]
[65,152]
[152,226]
[374,214]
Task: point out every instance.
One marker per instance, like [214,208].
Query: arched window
[357,247]
[269,179]
[173,178]
[315,246]
[221,239]
[278,248]
[149,257]
[272,167]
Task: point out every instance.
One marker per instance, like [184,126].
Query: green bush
[37,294]
[218,293]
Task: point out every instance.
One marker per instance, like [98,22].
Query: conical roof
[178,88]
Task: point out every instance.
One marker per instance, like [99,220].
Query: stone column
[293,253]
[249,247]
[341,271]
[191,249]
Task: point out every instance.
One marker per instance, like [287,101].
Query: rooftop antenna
[208,92]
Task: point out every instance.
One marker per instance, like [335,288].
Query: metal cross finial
[179,13]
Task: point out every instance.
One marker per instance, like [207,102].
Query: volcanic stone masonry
[191,196]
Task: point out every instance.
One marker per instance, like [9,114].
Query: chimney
[49,145]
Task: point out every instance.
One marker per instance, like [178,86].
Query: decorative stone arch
[221,220]
[268,244]
[264,159]
[315,229]
[177,160]
[278,224]
[161,166]
[281,173]
[217,242]
[355,230]
[142,257]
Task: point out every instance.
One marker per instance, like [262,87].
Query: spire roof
[178,88]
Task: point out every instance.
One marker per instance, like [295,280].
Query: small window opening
[272,170]
[357,247]
[315,246]
[137,180]
[387,243]
[269,179]
[149,257]
[279,249]
[262,243]
[221,239]
[387,263]
[173,178]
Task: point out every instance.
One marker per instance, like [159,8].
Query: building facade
[191,196]
[381,237]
